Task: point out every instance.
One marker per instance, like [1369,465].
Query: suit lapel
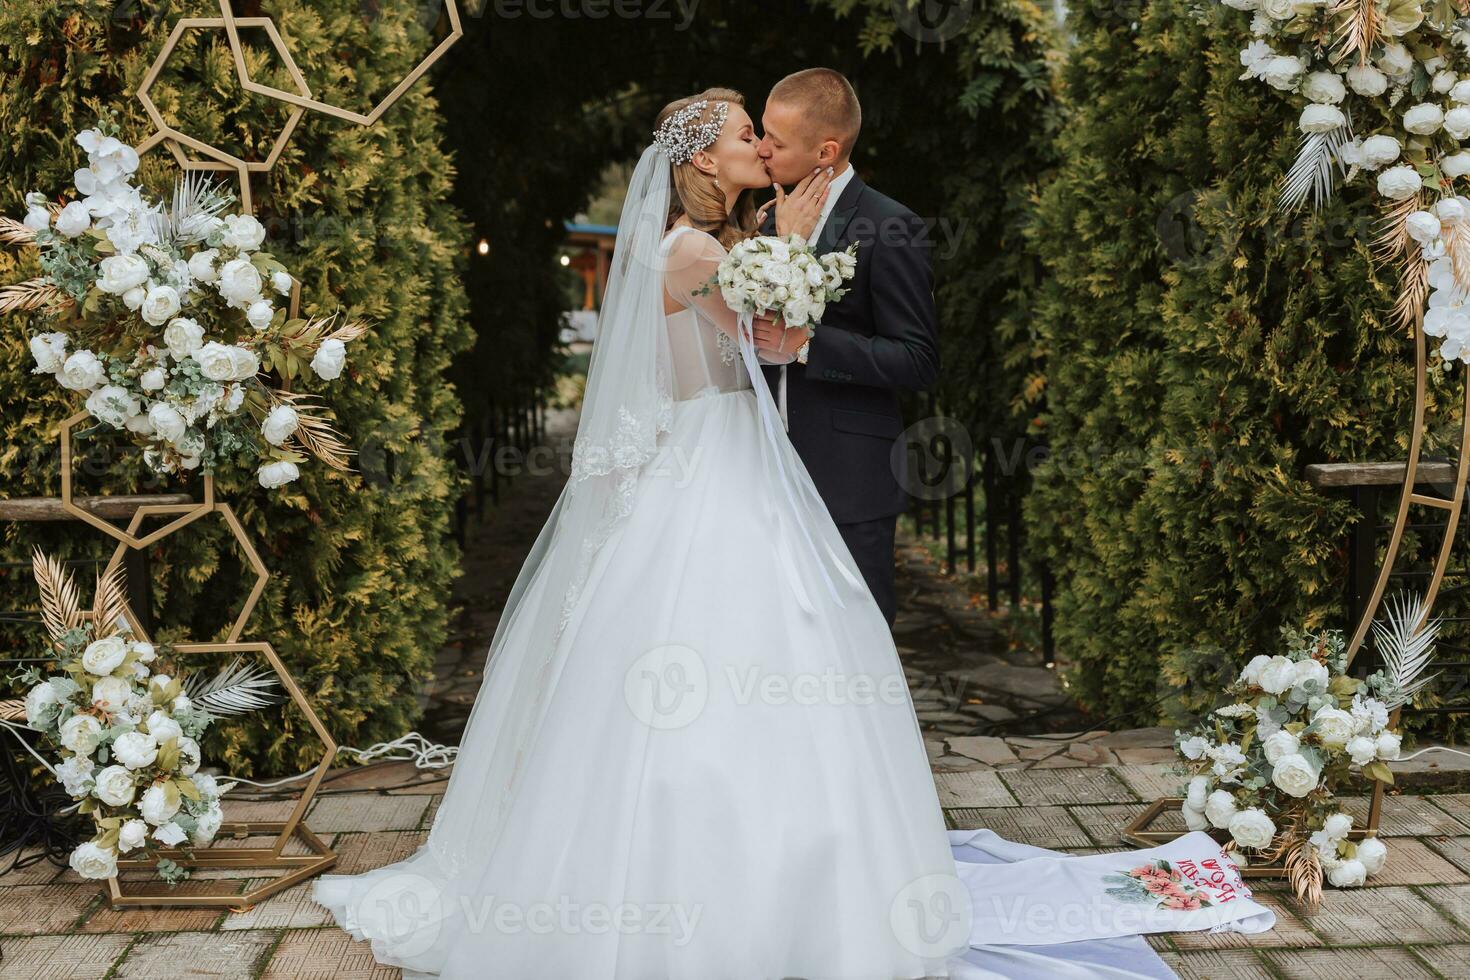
[841,214]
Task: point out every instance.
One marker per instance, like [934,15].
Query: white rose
[81,734]
[121,273]
[74,219]
[1388,745]
[202,265]
[260,314]
[1449,210]
[1252,828]
[1362,749]
[206,785]
[1195,819]
[216,361]
[1424,118]
[1337,825]
[239,283]
[277,474]
[1282,71]
[1367,80]
[1199,788]
[111,694]
[1457,122]
[112,404]
[1334,726]
[133,298]
[279,424]
[243,232]
[183,336]
[132,835]
[136,750]
[153,379]
[1278,675]
[93,862]
[155,806]
[1279,744]
[1194,747]
[162,727]
[1307,671]
[1277,9]
[160,306]
[207,825]
[1219,808]
[167,423]
[247,363]
[49,351]
[1251,673]
[189,756]
[1371,854]
[1422,226]
[146,653]
[38,216]
[329,358]
[82,371]
[116,786]
[1398,183]
[1294,776]
[1443,81]
[1454,165]
[102,657]
[1228,760]
[1396,59]
[75,774]
[281,283]
[1321,118]
[234,398]
[1380,151]
[39,701]
[170,834]
[1348,874]
[1324,86]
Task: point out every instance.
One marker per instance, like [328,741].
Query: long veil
[628,402]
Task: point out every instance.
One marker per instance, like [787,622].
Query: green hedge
[361,567]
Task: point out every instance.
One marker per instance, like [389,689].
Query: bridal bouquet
[784,276]
[1384,87]
[1298,731]
[167,320]
[126,735]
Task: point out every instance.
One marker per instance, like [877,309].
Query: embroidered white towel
[1185,885]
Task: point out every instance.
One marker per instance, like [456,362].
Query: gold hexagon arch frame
[456,31]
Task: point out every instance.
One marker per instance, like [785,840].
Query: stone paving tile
[1290,931]
[325,954]
[1044,786]
[1334,964]
[104,918]
[1452,961]
[1151,782]
[61,957]
[1404,816]
[1456,805]
[1042,826]
[367,812]
[1412,862]
[237,810]
[428,820]
[288,909]
[1455,850]
[42,872]
[976,788]
[357,853]
[1159,941]
[1453,899]
[1104,824]
[32,909]
[230,955]
[1212,964]
[1380,916]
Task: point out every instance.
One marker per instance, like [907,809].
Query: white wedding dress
[708,767]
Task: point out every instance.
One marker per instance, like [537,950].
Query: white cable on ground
[423,753]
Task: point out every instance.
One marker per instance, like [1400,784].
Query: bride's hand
[799,211]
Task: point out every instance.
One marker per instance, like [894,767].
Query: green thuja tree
[361,562]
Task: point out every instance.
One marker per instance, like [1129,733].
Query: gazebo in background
[588,252]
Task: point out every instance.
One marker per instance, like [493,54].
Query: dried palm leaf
[238,689]
[1314,172]
[1406,644]
[110,604]
[35,294]
[1361,31]
[13,232]
[1457,246]
[1305,872]
[13,710]
[1393,244]
[1282,841]
[315,433]
[61,609]
[349,331]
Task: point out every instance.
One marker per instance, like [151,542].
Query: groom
[841,392]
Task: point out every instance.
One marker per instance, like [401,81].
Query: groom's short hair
[826,98]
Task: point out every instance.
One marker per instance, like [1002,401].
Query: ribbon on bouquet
[775,432]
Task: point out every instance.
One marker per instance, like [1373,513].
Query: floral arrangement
[1296,732]
[168,320]
[769,274]
[1385,88]
[126,733]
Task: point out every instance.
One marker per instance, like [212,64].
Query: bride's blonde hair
[695,193]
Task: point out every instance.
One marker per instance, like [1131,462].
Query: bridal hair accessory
[682,136]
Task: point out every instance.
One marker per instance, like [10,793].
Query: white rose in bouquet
[132,835]
[1310,673]
[133,298]
[1278,675]
[38,216]
[75,774]
[260,314]
[162,727]
[93,862]
[1450,210]
[243,232]
[1367,81]
[1321,118]
[82,371]
[280,424]
[1457,122]
[1282,72]
[153,379]
[1362,749]
[203,267]
[1220,808]
[81,734]
[104,656]
[1398,183]
[189,754]
[112,404]
[155,806]
[1424,118]
[1324,86]
[49,351]
[111,694]
[1454,165]
[247,363]
[1252,828]
[121,273]
[145,651]
[74,220]
[167,423]
[1371,854]
[40,701]
[1251,673]
[1334,726]
[1443,81]
[282,282]
[1388,745]
[1195,819]
[1294,775]
[1379,151]
[136,750]
[207,824]
[1280,744]
[1228,760]
[1194,747]
[1422,226]
[277,474]
[1278,9]
[115,786]
[183,336]
[1348,874]
[329,359]
[216,361]
[1337,825]
[239,283]
[160,305]
[1396,59]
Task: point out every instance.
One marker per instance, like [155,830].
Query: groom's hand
[767,333]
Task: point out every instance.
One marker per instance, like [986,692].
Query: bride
[693,754]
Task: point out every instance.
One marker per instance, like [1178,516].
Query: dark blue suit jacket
[842,405]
